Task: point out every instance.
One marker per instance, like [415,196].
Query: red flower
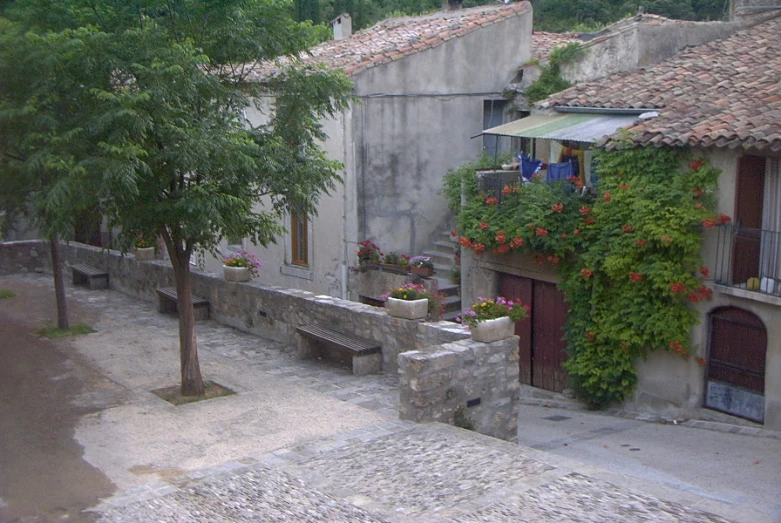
[694,297]
[606,197]
[705,292]
[585,210]
[503,249]
[465,241]
[576,232]
[723,218]
[557,207]
[624,186]
[696,165]
[507,190]
[698,205]
[640,242]
[627,228]
[576,181]
[500,237]
[697,192]
[554,259]
[666,239]
[591,335]
[479,248]
[491,200]
[635,276]
[541,232]
[483,225]
[704,271]
[587,273]
[539,260]
[708,224]
[531,226]
[589,220]
[702,362]
[676,346]
[564,235]
[677,288]
[517,242]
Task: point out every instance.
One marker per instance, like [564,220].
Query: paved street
[304,441]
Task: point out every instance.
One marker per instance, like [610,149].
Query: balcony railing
[749,259]
[492,182]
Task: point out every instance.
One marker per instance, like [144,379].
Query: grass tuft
[75,330]
[6,293]
[174,396]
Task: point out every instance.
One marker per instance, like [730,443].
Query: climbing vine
[629,256]
[550,80]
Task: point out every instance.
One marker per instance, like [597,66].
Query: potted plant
[240,266]
[144,248]
[369,254]
[396,261]
[421,265]
[411,301]
[493,320]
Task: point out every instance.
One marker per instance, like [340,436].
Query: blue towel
[529,167]
[560,171]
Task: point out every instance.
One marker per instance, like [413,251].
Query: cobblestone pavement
[381,470]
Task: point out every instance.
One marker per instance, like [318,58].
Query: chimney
[451,5]
[343,26]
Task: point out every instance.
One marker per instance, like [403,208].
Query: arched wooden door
[735,377]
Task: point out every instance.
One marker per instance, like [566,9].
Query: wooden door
[735,376]
[541,345]
[749,194]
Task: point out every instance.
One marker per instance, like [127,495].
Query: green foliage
[461,419]
[629,257]
[550,80]
[6,293]
[463,179]
[567,15]
[75,330]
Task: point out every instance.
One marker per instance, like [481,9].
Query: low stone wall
[441,368]
[477,382]
[24,256]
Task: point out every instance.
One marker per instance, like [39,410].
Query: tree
[180,160]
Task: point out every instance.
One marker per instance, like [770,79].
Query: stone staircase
[442,253]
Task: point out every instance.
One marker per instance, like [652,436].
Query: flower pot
[493,330]
[236,273]
[409,310]
[145,253]
[421,271]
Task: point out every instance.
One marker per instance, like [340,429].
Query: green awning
[571,127]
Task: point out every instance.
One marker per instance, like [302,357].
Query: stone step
[440,258]
[452,304]
[446,246]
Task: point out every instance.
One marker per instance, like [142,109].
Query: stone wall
[24,256]
[441,368]
[478,379]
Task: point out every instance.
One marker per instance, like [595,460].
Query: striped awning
[565,127]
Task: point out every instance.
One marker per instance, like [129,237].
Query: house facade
[722,101]
[423,86]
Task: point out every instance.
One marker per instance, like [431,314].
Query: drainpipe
[344,202]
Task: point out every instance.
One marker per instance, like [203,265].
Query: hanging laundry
[529,167]
[560,171]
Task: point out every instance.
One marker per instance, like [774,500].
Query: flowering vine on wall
[629,255]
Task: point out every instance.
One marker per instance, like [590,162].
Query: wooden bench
[363,356]
[90,276]
[167,303]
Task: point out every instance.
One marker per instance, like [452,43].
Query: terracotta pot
[421,271]
[407,309]
[145,253]
[236,273]
[493,330]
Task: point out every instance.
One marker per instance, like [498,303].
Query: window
[299,236]
[493,116]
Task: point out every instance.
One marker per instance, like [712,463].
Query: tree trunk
[192,381]
[59,284]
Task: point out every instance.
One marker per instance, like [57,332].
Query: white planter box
[409,310]
[493,330]
[145,253]
[236,273]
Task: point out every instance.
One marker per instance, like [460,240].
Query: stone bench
[362,356]
[89,276]
[167,303]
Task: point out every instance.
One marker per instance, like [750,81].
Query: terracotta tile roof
[543,43]
[396,38]
[724,94]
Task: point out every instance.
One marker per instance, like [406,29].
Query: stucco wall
[415,121]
